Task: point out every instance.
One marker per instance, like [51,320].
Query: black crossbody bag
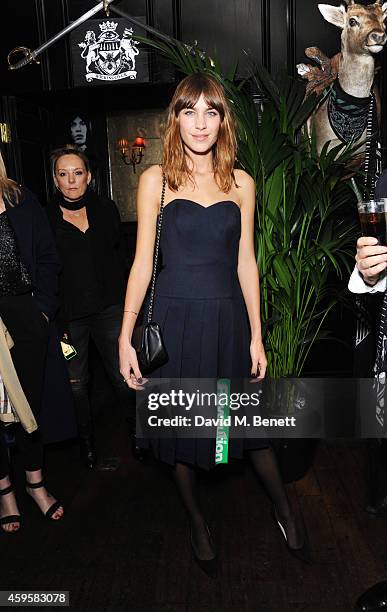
[147,338]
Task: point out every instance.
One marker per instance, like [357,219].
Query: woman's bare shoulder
[149,190]
[152,177]
[243,179]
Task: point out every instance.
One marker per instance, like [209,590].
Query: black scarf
[347,114]
[73,205]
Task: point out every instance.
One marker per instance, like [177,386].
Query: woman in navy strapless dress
[207,293]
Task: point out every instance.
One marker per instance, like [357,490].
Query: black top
[75,251]
[97,267]
[14,277]
[37,249]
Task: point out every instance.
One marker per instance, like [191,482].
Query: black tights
[265,466]
[29,330]
[29,445]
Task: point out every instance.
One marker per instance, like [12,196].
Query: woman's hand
[258,360]
[371,259]
[129,365]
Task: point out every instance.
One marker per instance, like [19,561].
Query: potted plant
[303,234]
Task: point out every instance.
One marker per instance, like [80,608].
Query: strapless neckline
[201,205]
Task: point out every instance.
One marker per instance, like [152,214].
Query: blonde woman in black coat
[28,284]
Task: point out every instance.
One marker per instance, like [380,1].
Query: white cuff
[357,285]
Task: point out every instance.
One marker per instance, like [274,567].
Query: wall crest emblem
[109,57]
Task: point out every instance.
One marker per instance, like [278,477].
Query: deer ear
[333,14]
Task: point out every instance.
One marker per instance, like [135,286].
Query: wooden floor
[124,542]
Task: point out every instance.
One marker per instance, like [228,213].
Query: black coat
[37,249]
[38,252]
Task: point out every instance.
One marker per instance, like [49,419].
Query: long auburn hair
[175,166]
[9,189]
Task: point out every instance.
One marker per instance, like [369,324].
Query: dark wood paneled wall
[226,30]
[273,32]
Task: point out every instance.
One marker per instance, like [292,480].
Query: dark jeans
[29,331]
[103,328]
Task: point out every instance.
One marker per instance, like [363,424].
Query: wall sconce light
[132,154]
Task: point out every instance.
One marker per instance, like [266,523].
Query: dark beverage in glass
[373,219]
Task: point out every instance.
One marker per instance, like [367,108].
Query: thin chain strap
[363,324]
[156,255]
[369,180]
[371,175]
[379,365]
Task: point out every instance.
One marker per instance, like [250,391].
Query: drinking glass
[373,219]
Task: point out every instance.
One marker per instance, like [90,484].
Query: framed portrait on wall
[85,129]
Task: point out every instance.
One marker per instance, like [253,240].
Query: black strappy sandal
[11,518]
[53,508]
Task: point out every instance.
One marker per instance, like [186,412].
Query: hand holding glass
[373,219]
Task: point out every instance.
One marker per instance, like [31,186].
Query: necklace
[73,213]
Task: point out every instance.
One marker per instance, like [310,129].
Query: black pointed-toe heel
[208,566]
[303,552]
[374,598]
[11,518]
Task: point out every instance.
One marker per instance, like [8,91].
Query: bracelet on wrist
[132,311]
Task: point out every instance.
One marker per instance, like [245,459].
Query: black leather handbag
[147,338]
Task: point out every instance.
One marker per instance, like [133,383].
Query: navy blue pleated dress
[200,307]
